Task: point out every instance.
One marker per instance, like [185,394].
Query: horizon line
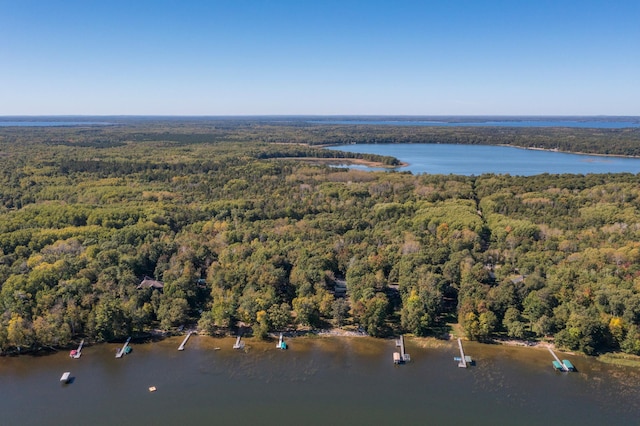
[325,115]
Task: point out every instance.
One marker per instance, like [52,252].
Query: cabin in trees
[150,283]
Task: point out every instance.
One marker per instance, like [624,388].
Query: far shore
[338,161]
[532,148]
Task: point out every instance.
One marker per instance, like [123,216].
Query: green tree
[109,320]
[307,312]
[340,310]
[279,316]
[371,314]
[513,323]
[261,328]
[414,317]
[19,332]
[173,312]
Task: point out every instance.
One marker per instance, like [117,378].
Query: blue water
[479,159]
[52,123]
[591,123]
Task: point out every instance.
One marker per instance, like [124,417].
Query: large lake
[478,159]
[578,122]
[318,381]
[25,123]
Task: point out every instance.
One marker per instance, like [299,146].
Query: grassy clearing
[621,359]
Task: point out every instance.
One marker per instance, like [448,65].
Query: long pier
[402,356]
[184,342]
[559,365]
[124,348]
[463,360]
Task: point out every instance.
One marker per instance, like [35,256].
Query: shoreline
[154,336]
[532,148]
[338,161]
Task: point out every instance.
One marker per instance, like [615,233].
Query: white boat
[66,376]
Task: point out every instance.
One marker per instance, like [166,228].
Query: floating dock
[401,357]
[184,342]
[568,364]
[66,377]
[239,343]
[281,343]
[76,353]
[564,365]
[124,349]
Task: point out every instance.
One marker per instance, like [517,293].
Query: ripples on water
[318,381]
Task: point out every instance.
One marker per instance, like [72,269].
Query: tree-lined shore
[238,231]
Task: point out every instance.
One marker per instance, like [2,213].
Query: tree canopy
[240,231]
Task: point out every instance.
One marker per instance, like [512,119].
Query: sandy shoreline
[338,332]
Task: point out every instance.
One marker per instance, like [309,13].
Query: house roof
[150,283]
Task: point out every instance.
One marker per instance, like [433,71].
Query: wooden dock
[401,357]
[462,363]
[281,343]
[124,348]
[78,352]
[239,343]
[184,342]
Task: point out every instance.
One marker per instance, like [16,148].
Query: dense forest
[238,232]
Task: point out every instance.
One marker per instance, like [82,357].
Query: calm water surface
[318,381]
[478,159]
[52,123]
[585,123]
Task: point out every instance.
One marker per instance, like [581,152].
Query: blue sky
[325,57]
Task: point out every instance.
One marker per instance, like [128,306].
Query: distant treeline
[624,142]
